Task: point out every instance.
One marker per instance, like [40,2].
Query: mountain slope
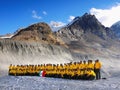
[86,34]
[39,32]
[87,24]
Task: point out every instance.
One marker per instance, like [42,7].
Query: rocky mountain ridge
[39,32]
[87,24]
[85,34]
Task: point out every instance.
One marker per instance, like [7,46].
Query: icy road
[43,83]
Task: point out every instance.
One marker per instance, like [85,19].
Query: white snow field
[43,83]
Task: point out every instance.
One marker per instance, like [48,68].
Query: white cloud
[71,18]
[56,24]
[35,15]
[44,12]
[107,16]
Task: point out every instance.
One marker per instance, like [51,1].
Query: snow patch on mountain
[6,36]
[74,20]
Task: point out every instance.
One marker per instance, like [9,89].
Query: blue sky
[15,14]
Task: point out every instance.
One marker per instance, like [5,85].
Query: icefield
[43,83]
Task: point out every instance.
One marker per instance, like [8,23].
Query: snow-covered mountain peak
[116,28]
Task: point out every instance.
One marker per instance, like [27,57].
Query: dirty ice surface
[43,83]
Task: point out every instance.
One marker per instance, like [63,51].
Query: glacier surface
[43,83]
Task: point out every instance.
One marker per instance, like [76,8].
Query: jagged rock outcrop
[39,32]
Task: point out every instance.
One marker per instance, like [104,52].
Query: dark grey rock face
[85,25]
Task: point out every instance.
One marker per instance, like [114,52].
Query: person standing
[90,65]
[97,67]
